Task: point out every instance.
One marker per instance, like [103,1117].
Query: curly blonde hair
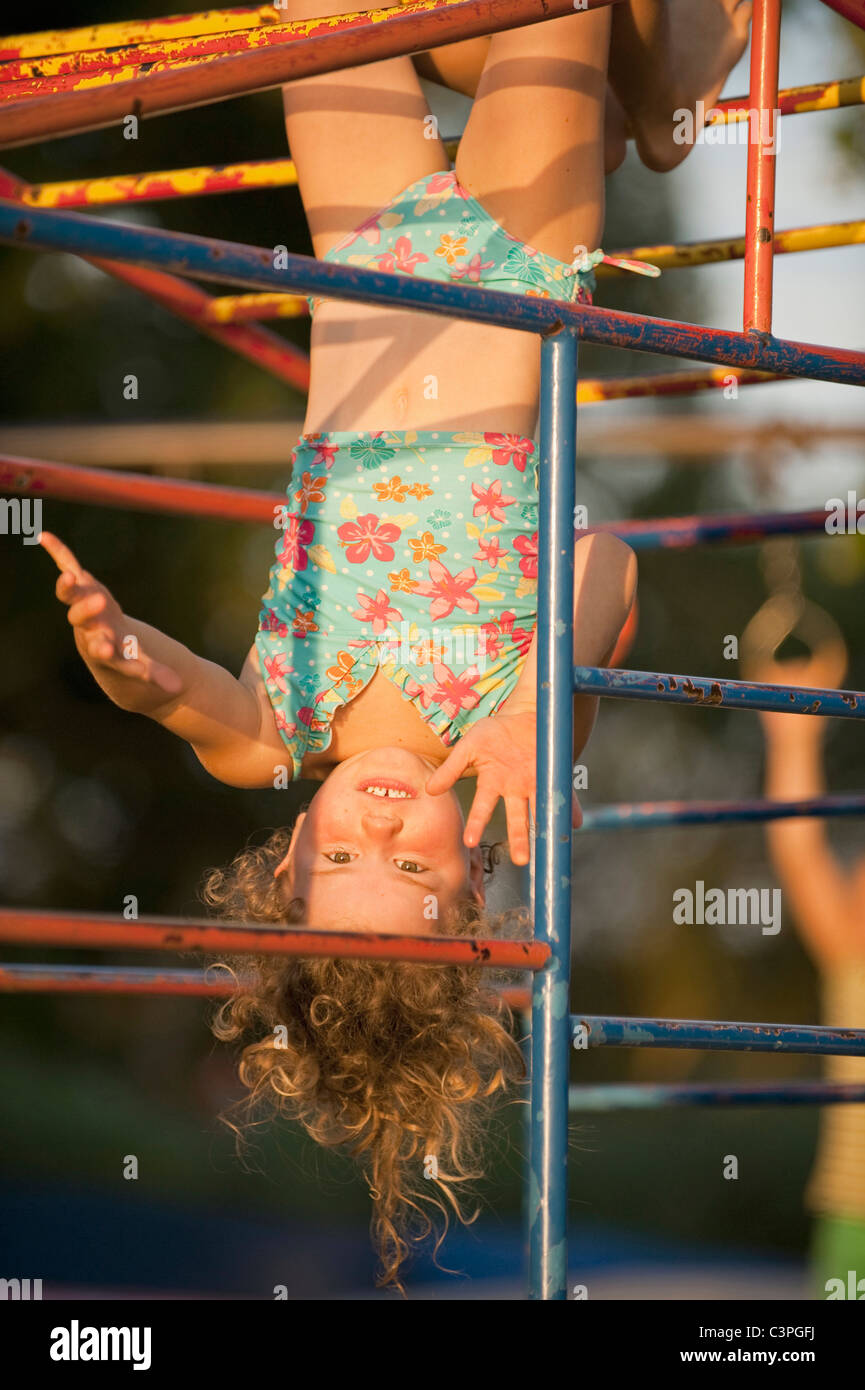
[395,1062]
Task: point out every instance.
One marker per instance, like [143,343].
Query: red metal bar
[764,131]
[104,932]
[110,979]
[186,301]
[132,31]
[139,492]
[365,38]
[854,10]
[139,979]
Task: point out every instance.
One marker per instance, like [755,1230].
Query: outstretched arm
[822,893]
[228,722]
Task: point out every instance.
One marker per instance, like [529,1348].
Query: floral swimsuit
[413,552]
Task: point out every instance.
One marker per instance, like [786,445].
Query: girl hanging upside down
[396,645]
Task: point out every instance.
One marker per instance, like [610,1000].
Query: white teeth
[387,791]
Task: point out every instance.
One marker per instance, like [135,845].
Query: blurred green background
[96,804]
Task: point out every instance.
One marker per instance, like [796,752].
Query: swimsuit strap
[590,259]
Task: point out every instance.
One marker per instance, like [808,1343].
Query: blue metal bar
[602,1030]
[548,1179]
[718,694]
[645,815]
[731,528]
[655,1097]
[232,263]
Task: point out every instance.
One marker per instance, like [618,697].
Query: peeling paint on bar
[233,263]
[602,1030]
[718,694]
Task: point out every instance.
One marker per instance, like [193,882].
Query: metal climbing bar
[29,927]
[320,45]
[110,979]
[186,301]
[647,1096]
[709,693]
[176,496]
[134,31]
[33,978]
[601,1030]
[763,134]
[548,1253]
[233,263]
[650,815]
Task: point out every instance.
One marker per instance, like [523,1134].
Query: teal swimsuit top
[435,230]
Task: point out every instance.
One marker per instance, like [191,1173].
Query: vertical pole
[548,1252]
[764,132]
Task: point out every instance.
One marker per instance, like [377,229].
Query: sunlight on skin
[370,863]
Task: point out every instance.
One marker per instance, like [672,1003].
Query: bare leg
[666,56]
[533,149]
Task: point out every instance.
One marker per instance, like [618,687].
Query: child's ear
[286,863]
[476,876]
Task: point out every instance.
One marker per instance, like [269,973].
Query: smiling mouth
[387,789]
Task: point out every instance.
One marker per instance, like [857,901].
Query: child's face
[393,863]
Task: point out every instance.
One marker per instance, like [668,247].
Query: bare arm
[228,722]
[605,584]
[826,899]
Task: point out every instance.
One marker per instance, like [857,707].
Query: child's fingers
[518,829]
[60,553]
[485,801]
[87,608]
[450,770]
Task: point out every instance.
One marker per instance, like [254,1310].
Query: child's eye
[339,856]
[409,866]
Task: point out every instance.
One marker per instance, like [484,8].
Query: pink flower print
[272,623]
[275,666]
[448,591]
[401,257]
[506,621]
[364,535]
[523,638]
[325,454]
[454,693]
[491,642]
[510,448]
[441,183]
[472,271]
[490,501]
[416,691]
[298,534]
[489,552]
[283,725]
[306,715]
[528,548]
[377,611]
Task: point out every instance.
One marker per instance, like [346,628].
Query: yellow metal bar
[671,257]
[683,383]
[234,308]
[166,183]
[132,31]
[795,101]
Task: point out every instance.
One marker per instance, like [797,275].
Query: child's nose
[381,825]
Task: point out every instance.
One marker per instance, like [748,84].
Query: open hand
[500,752]
[101,631]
